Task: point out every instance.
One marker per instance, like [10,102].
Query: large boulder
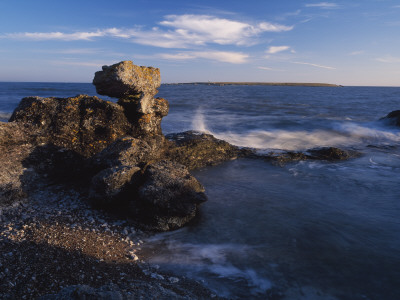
[126,79]
[168,197]
[135,86]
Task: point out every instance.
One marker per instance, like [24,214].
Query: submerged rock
[323,153]
[393,118]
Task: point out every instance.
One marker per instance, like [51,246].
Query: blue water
[305,230]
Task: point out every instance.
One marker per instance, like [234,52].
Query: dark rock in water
[169,196]
[393,118]
[331,153]
[324,153]
[83,123]
[195,149]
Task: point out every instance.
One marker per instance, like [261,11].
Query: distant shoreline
[261,83]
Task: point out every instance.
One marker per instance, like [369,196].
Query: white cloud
[41,36]
[323,5]
[277,49]
[389,59]
[314,65]
[222,56]
[180,31]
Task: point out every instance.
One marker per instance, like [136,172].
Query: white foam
[198,122]
[347,134]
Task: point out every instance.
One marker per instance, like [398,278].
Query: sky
[352,42]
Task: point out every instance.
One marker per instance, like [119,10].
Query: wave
[336,134]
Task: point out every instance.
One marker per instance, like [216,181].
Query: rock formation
[135,87]
[110,150]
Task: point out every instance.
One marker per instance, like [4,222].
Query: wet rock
[195,149]
[323,153]
[84,124]
[393,118]
[331,154]
[169,196]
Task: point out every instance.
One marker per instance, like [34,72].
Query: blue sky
[343,42]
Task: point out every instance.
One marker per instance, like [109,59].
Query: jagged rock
[108,185]
[393,117]
[135,87]
[128,151]
[169,196]
[195,149]
[83,123]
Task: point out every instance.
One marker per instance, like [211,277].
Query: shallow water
[306,230]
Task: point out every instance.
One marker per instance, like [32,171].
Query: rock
[83,123]
[126,79]
[108,185]
[393,118]
[331,153]
[128,151]
[195,149]
[135,87]
[169,196]
[323,153]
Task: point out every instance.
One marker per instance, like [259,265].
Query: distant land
[263,83]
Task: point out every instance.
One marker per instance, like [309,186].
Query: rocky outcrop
[111,152]
[135,87]
[393,118]
[84,124]
[196,149]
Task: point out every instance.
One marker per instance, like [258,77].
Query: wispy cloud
[179,31]
[313,65]
[357,52]
[323,5]
[222,56]
[389,59]
[95,64]
[41,36]
[277,49]
[269,69]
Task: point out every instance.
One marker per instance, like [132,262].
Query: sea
[300,230]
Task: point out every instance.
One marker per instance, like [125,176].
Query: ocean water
[304,230]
